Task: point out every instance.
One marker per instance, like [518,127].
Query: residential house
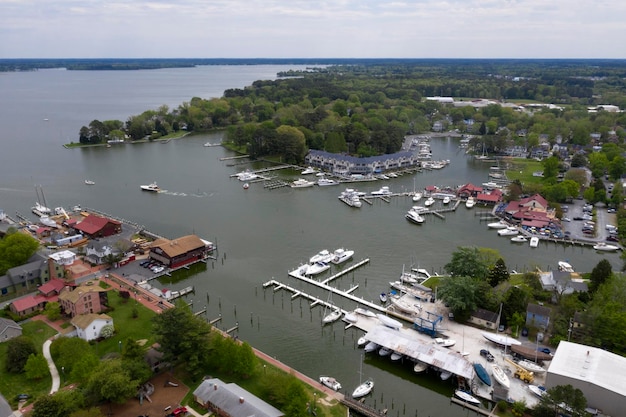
[9,329]
[83,300]
[484,318]
[230,400]
[89,326]
[562,282]
[537,316]
[97,253]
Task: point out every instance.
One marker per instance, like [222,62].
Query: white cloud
[303,28]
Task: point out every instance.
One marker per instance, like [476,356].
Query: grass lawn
[13,384]
[125,325]
[522,169]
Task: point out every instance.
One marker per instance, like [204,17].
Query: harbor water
[261,234]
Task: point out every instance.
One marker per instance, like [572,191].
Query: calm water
[261,234]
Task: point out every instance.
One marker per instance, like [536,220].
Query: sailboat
[416,196]
[335,312]
[365,387]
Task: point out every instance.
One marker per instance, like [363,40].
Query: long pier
[478,410]
[362,408]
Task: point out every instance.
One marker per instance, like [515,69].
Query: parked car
[544,350]
[158,269]
[525,332]
[566,219]
[487,355]
[612,238]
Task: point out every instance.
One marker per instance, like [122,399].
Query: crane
[521,373]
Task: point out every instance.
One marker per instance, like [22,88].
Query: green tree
[461,294]
[550,169]
[515,301]
[69,350]
[600,274]
[577,175]
[83,367]
[578,160]
[617,167]
[551,404]
[36,367]
[466,262]
[499,273]
[16,249]
[52,310]
[111,382]
[60,404]
[605,316]
[19,350]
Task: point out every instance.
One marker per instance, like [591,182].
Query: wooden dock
[362,408]
[477,410]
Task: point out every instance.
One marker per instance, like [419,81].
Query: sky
[313,29]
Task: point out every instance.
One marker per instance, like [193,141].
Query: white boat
[363,389]
[406,305]
[322,256]
[89,182]
[370,347]
[446,200]
[309,170]
[40,209]
[417,197]
[361,341]
[429,202]
[499,339]
[395,356]
[422,273]
[534,242]
[351,317]
[490,185]
[389,322]
[565,266]
[420,367]
[330,382]
[445,342]
[497,225]
[350,197]
[413,216]
[383,297]
[245,176]
[383,351]
[323,182]
[317,268]
[382,191]
[537,390]
[531,366]
[334,315]
[341,255]
[154,188]
[468,398]
[445,375]
[519,239]
[500,376]
[601,246]
[246,186]
[302,183]
[364,312]
[470,202]
[508,231]
[47,221]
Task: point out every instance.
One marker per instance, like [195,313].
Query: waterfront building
[232,400]
[94,226]
[178,252]
[345,165]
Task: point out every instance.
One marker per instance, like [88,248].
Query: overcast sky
[311,29]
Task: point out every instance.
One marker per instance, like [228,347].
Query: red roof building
[95,226]
[30,304]
[494,197]
[531,211]
[469,190]
[52,287]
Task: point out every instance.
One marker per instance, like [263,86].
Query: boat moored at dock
[330,382]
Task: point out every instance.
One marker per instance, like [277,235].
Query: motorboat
[418,291]
[446,200]
[382,191]
[47,221]
[497,225]
[309,170]
[395,356]
[508,231]
[422,273]
[317,268]
[351,317]
[389,322]
[429,202]
[154,188]
[445,375]
[383,351]
[470,202]
[503,340]
[363,389]
[519,239]
[531,366]
[245,176]
[330,382]
[491,185]
[322,256]
[601,246]
[364,312]
[302,183]
[341,255]
[565,266]
[383,297]
[370,347]
[419,209]
[322,182]
[500,376]
[414,217]
[445,342]
[334,315]
[350,197]
[482,374]
[534,242]
[361,341]
[406,305]
[417,197]
[466,397]
[420,367]
[89,182]
[538,390]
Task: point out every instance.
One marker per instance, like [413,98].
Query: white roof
[429,353]
[591,365]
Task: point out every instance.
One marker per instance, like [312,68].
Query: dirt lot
[161,398]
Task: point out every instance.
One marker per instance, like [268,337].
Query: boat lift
[428,325]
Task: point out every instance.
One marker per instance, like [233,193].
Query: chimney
[215,387]
[240,400]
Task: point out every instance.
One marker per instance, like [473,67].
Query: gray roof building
[9,329]
[232,400]
[599,374]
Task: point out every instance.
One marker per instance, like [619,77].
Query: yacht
[417,196]
[383,191]
[302,183]
[341,255]
[413,216]
[429,202]
[446,200]
[508,231]
[326,181]
[491,185]
[497,225]
[245,176]
[317,268]
[309,170]
[350,197]
[154,188]
[89,182]
[322,256]
[470,202]
[519,239]
[601,246]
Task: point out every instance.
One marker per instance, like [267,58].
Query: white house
[89,326]
[65,257]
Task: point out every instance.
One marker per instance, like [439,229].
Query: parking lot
[578,222]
